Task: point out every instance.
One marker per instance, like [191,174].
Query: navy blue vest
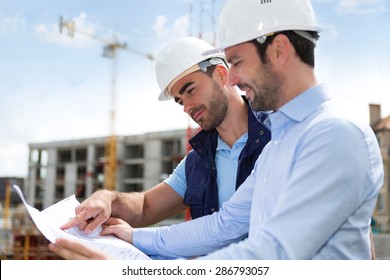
[201,173]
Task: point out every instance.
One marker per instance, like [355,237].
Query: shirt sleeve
[177,180]
[203,235]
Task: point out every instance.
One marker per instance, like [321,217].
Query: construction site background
[21,240]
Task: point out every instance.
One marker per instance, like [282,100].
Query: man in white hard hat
[224,151]
[316,183]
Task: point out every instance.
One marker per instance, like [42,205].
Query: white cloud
[178,28]
[13,23]
[361,6]
[159,26]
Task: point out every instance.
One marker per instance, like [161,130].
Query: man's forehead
[187,79]
[231,52]
[194,76]
[234,51]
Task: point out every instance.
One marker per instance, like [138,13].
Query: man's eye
[235,64]
[179,101]
[190,91]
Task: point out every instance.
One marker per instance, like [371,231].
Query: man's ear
[281,49]
[222,72]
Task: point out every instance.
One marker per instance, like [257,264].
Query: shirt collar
[305,103]
[222,145]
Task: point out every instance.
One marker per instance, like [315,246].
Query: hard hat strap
[203,65]
[303,34]
[306,35]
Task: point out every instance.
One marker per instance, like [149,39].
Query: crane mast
[110,51]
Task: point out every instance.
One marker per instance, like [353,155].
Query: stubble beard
[266,96]
[216,110]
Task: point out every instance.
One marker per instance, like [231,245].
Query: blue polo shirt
[226,159]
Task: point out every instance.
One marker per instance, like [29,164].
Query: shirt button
[257,140]
[261,132]
[212,210]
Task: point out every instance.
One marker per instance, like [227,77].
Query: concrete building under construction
[59,169]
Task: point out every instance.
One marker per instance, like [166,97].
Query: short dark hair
[210,70]
[303,47]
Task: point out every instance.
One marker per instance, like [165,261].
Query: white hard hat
[244,20]
[181,58]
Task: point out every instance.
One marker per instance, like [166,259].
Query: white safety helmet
[244,20]
[181,58]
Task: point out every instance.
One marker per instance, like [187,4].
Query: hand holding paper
[52,218]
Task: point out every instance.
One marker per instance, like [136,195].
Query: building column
[91,151]
[50,182]
[70,179]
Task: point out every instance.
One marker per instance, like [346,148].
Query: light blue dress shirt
[310,196]
[226,159]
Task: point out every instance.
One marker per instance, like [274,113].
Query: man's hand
[73,250]
[92,212]
[119,228]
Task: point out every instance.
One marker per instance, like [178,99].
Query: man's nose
[187,106]
[233,79]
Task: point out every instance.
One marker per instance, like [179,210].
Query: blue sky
[55,87]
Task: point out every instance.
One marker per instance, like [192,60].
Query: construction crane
[110,50]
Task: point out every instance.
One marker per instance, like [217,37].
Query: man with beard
[224,151]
